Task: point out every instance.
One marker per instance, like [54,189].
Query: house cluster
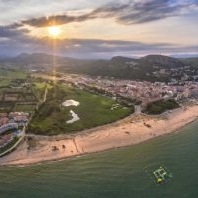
[185,73]
[9,124]
[7,133]
[8,127]
[6,139]
[20,118]
[141,90]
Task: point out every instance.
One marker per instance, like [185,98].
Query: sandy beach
[129,131]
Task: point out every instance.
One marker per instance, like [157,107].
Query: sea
[118,173]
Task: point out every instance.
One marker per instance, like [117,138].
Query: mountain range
[119,67]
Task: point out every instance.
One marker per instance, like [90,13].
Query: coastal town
[143,91]
[138,93]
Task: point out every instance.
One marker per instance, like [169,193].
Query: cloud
[15,39]
[12,31]
[131,12]
[98,48]
[87,48]
[25,43]
[99,45]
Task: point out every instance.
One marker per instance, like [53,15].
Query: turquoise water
[114,174]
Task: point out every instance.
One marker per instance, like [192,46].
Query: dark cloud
[47,21]
[129,13]
[12,31]
[58,20]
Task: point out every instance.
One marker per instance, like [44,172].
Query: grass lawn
[94,110]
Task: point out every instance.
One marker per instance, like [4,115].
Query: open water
[117,173]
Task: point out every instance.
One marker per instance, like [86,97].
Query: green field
[6,107]
[24,107]
[38,88]
[18,82]
[7,76]
[94,110]
[13,74]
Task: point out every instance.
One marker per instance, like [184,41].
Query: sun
[54,31]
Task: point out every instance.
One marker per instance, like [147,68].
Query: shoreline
[127,132]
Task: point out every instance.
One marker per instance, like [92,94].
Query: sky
[99,28]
